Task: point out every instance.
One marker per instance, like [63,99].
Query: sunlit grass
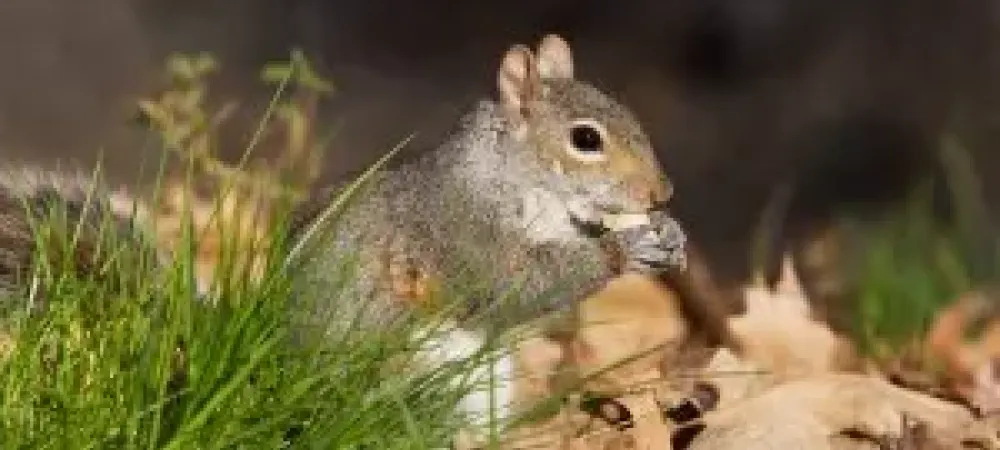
[913,265]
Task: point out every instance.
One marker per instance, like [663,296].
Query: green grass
[136,359]
[910,270]
[132,356]
[912,266]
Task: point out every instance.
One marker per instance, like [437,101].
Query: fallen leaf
[778,333]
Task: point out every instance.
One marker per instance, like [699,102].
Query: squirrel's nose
[653,192]
[664,191]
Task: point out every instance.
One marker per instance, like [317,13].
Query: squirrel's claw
[653,247]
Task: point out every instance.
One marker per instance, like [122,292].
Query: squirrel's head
[594,147]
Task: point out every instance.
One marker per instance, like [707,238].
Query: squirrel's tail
[50,214]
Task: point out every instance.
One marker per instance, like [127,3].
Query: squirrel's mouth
[597,219]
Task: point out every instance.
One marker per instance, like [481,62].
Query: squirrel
[549,190]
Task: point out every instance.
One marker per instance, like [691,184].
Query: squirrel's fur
[493,208]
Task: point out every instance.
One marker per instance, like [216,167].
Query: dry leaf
[633,315]
[971,368]
[811,413]
[778,333]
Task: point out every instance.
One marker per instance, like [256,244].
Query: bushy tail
[51,221]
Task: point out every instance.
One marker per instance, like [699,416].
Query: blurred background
[844,99]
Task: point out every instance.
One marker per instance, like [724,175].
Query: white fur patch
[545,218]
[492,400]
[492,397]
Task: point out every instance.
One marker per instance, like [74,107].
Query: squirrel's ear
[555,59]
[517,79]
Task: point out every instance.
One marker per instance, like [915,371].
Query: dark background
[845,96]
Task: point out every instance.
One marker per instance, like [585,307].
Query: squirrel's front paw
[653,247]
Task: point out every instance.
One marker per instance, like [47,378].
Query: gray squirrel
[543,194]
[512,200]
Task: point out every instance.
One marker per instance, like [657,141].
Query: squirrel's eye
[586,138]
[587,141]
